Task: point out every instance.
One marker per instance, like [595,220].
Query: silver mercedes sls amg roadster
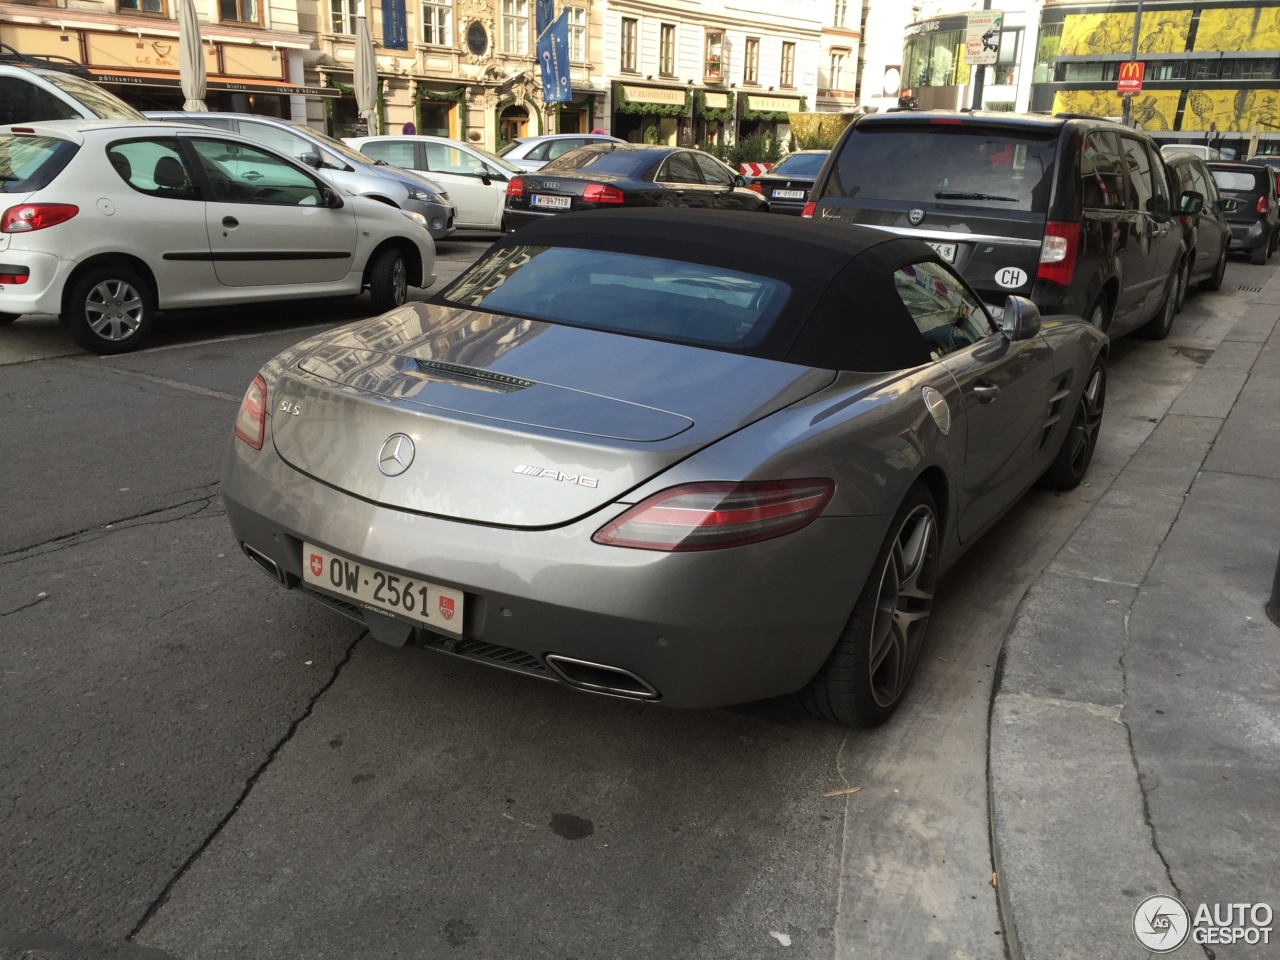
[680,456]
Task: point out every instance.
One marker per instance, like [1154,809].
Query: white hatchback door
[268,219]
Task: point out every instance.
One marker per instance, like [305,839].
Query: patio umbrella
[191,58]
[365,76]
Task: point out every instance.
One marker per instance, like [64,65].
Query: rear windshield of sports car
[961,165]
[31,163]
[670,300]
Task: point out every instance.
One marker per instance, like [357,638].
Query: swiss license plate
[789,194]
[947,251]
[550,203]
[427,603]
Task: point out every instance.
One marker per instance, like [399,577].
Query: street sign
[982,37]
[1130,79]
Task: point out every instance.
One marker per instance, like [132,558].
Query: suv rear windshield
[1241,181]
[31,163]
[948,164]
[669,300]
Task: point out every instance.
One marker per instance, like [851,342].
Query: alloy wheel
[400,282]
[903,605]
[114,310]
[1084,426]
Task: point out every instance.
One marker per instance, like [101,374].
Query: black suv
[1078,213]
[1255,223]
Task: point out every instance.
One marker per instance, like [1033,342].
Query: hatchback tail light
[14,275]
[36,216]
[1059,252]
[251,421]
[602,193]
[515,187]
[808,209]
[1264,206]
[711,516]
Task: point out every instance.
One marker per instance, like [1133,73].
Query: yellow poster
[1155,110]
[1092,34]
[1237,30]
[1234,111]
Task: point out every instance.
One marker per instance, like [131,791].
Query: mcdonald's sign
[1130,80]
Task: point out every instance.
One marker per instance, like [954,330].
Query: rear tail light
[251,421]
[756,187]
[711,516]
[515,187]
[1059,252]
[808,209]
[36,216]
[602,193]
[1263,206]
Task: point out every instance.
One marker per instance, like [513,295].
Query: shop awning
[148,78]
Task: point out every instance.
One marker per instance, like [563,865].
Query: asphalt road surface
[198,764]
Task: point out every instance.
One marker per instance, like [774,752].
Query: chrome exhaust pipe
[263,561]
[601,678]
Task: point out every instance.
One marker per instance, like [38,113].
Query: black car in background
[1203,215]
[1255,223]
[1077,213]
[613,175]
[786,186]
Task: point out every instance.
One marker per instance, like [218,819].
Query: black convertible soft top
[843,312]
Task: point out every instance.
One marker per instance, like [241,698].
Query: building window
[437,25]
[577,33]
[238,11]
[835,79]
[342,17]
[629,31]
[667,50]
[751,61]
[143,6]
[841,14]
[515,26]
[713,60]
[788,76]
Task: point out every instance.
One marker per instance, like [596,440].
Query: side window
[679,168]
[539,152]
[244,174]
[945,313]
[713,171]
[154,167]
[1137,168]
[442,158]
[398,153]
[1101,186]
[23,102]
[290,144]
[558,148]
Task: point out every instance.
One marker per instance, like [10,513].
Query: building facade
[880,80]
[839,57]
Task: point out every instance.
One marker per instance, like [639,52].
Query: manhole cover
[1250,289]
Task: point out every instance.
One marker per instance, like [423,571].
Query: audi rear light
[515,187]
[36,216]
[1263,205]
[602,193]
[1059,252]
[712,516]
[808,209]
[251,421]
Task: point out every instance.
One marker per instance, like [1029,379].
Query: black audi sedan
[611,175]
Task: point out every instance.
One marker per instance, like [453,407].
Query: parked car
[1076,213]
[1203,151]
[475,179]
[1206,232]
[1255,223]
[627,175]
[530,153]
[336,162]
[53,88]
[787,184]
[675,456]
[1270,160]
[114,220]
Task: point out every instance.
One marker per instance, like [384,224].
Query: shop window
[667,50]
[1046,50]
[577,33]
[437,22]
[238,11]
[343,16]
[751,61]
[630,28]
[157,7]
[1005,70]
[787,77]
[515,26]
[933,59]
[713,60]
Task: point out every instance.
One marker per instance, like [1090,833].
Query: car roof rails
[50,61]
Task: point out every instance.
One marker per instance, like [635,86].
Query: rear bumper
[791,207]
[1249,236]
[702,629]
[42,293]
[515,219]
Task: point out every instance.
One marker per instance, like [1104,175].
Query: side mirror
[1191,202]
[312,160]
[481,171]
[739,180]
[1020,319]
[331,198]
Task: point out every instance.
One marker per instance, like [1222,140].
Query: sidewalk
[1135,730]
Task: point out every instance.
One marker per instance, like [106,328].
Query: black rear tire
[1215,281]
[1258,255]
[8,318]
[110,309]
[1159,326]
[388,280]
[1076,453]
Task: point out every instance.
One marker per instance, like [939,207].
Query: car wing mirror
[331,198]
[738,181]
[1020,319]
[481,171]
[1191,202]
[312,160]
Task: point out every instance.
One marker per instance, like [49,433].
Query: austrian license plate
[549,203]
[430,604]
[789,194]
[947,251]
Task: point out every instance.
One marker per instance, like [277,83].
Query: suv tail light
[515,187]
[808,209]
[711,516]
[1059,251]
[251,421]
[602,193]
[36,216]
[1263,205]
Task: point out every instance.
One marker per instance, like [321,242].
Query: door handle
[985,391]
[230,222]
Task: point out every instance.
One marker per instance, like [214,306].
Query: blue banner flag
[553,59]
[544,12]
[395,34]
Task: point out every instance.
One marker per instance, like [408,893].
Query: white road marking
[165,382]
[238,336]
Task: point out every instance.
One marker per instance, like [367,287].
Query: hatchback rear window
[624,293]
[947,164]
[31,163]
[1240,181]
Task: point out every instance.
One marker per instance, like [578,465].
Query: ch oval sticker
[1010,277]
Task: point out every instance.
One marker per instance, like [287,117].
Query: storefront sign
[395,34]
[1129,81]
[773,104]
[130,53]
[653,95]
[716,101]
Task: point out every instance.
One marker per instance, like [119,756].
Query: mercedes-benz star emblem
[396,455]
[915,216]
